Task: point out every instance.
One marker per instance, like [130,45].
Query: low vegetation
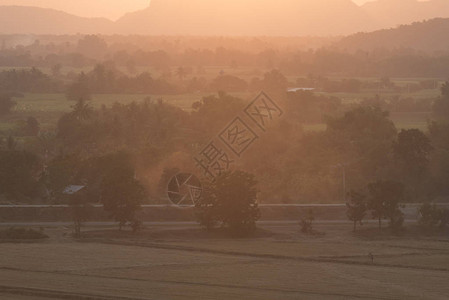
[98,113]
[21,234]
[231,202]
[432,217]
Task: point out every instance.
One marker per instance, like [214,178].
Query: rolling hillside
[230,17]
[429,36]
[27,20]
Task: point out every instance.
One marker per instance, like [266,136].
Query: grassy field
[350,98]
[402,120]
[186,263]
[48,108]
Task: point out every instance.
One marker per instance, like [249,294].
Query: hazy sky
[111,9]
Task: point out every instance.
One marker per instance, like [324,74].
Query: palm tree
[181,72]
[82,110]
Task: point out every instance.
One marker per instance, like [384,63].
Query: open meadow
[226,149]
[174,262]
[48,108]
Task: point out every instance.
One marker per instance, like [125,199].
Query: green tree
[6,104]
[306,222]
[181,72]
[441,105]
[213,112]
[19,174]
[60,173]
[121,193]
[309,107]
[206,208]
[364,134]
[82,110]
[228,83]
[384,201]
[11,143]
[81,211]
[92,46]
[78,129]
[31,127]
[411,153]
[356,208]
[148,129]
[56,70]
[230,201]
[429,216]
[274,81]
[367,128]
[445,90]
[412,150]
[444,218]
[79,89]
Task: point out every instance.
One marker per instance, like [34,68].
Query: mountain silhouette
[231,17]
[35,20]
[248,17]
[429,36]
[390,13]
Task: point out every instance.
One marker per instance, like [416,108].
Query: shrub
[22,234]
[356,208]
[430,216]
[6,104]
[397,220]
[444,218]
[306,222]
[231,201]
[136,225]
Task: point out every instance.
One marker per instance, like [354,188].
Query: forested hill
[391,13]
[35,20]
[430,36]
[248,17]
[233,18]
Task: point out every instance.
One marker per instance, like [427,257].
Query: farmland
[48,108]
[184,263]
[146,158]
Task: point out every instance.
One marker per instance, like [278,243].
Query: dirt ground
[187,263]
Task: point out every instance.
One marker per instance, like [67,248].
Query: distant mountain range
[391,13]
[429,36]
[34,20]
[248,17]
[231,17]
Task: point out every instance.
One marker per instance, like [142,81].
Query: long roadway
[191,206]
[192,223]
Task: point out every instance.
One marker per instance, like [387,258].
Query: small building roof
[300,89]
[73,189]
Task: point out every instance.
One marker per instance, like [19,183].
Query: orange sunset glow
[224,149]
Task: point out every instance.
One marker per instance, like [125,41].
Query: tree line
[138,143]
[162,55]
[305,166]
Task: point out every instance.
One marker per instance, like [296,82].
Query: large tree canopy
[231,201]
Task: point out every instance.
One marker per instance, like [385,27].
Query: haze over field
[224,149]
[111,9]
[217,17]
